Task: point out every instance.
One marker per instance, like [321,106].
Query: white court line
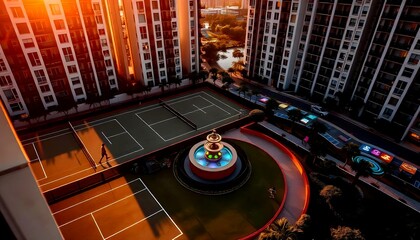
[90,125]
[199,109]
[217,106]
[97,226]
[150,127]
[161,121]
[106,137]
[40,163]
[129,134]
[48,138]
[121,133]
[220,102]
[47,134]
[135,223]
[162,208]
[110,190]
[101,208]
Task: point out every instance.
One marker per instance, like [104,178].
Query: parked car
[319,110]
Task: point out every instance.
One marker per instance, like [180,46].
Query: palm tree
[362,169]
[294,115]
[351,149]
[343,233]
[331,193]
[237,53]
[280,229]
[257,115]
[238,65]
[227,81]
[317,148]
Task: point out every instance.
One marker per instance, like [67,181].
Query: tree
[270,106]
[237,53]
[317,148]
[294,115]
[346,233]
[203,75]
[210,52]
[193,76]
[238,65]
[331,194]
[362,169]
[214,71]
[214,77]
[231,71]
[351,149]
[280,229]
[304,225]
[227,80]
[257,115]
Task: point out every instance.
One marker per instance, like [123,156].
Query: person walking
[103,153]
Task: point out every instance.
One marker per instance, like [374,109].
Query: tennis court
[93,214]
[74,152]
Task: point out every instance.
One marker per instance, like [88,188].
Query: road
[340,121]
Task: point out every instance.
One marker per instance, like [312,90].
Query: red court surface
[93,214]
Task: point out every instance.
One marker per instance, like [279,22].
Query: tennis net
[83,147]
[178,114]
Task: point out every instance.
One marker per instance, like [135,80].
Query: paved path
[297,192]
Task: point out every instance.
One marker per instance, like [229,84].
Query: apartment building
[64,52]
[366,50]
[52,53]
[389,81]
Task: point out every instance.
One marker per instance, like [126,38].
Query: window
[34,58]
[414,59]
[399,88]
[147,56]
[99,19]
[16,107]
[156,16]
[72,69]
[2,65]
[104,43]
[110,72]
[162,73]
[49,99]
[63,38]
[158,32]
[155,5]
[160,55]
[393,101]
[276,16]
[388,112]
[268,15]
[140,6]
[59,24]
[108,63]
[159,44]
[44,88]
[17,12]
[417,45]
[75,80]
[28,43]
[176,52]
[274,29]
[352,22]
[295,7]
[142,18]
[11,94]
[143,32]
[22,28]
[408,72]
[40,76]
[106,53]
[101,31]
[5,81]
[96,6]
[149,74]
[148,66]
[356,10]
[78,91]
[55,9]
[68,55]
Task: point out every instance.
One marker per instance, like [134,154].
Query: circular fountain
[212,166]
[213,159]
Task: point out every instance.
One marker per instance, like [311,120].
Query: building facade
[363,51]
[63,52]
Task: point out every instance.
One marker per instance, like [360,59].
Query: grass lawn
[229,216]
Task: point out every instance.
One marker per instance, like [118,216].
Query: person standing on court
[103,152]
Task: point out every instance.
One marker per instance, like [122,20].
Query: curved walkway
[297,197]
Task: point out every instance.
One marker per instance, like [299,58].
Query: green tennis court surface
[57,157]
